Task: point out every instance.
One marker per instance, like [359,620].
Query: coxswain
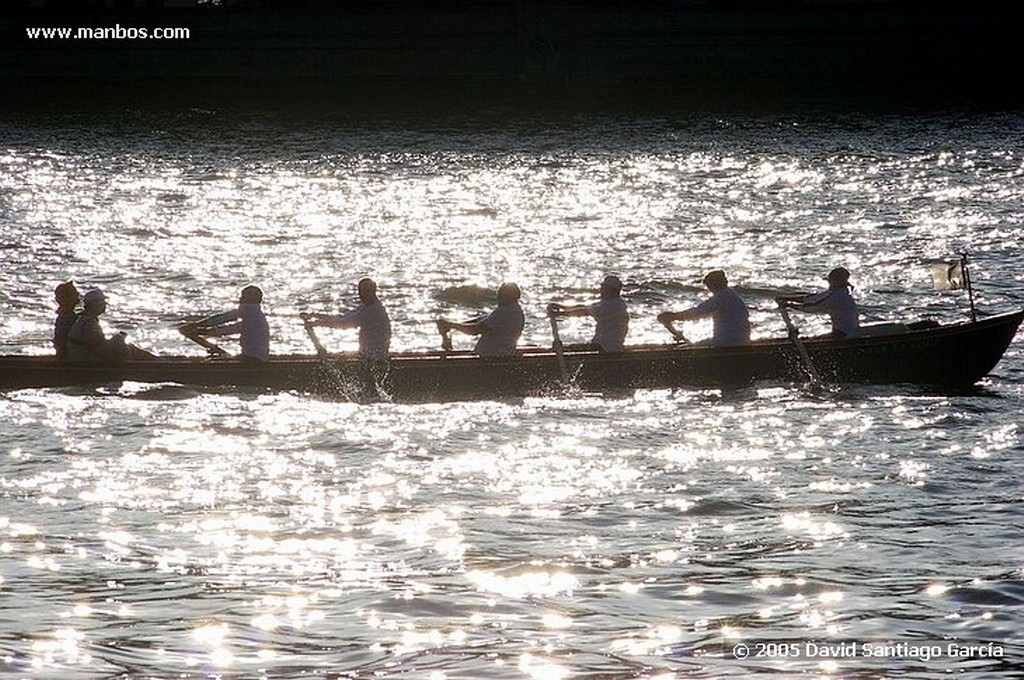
[68,299]
[86,341]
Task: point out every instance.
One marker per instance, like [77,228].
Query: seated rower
[610,314]
[247,321]
[837,302]
[499,331]
[370,317]
[86,341]
[67,297]
[728,312]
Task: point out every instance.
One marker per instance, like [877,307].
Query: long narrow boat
[925,353]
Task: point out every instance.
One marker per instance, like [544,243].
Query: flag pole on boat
[967,284]
[956,275]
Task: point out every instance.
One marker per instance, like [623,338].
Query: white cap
[94,296]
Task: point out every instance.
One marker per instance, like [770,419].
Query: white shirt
[250,324]
[374,328]
[612,319]
[839,305]
[504,326]
[729,315]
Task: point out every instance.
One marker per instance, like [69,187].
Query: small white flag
[948,275]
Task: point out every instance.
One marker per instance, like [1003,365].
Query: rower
[499,331]
[610,314]
[728,312]
[370,317]
[86,341]
[67,297]
[248,321]
[837,302]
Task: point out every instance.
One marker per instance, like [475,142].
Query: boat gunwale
[815,343]
[460,376]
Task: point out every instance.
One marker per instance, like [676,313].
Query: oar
[445,329]
[332,371]
[794,335]
[189,331]
[557,344]
[320,351]
[676,334]
[446,335]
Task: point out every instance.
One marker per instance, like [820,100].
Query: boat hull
[956,355]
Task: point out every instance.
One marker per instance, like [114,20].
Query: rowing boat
[923,353]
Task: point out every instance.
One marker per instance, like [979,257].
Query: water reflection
[170,531]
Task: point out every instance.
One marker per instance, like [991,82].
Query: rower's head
[367,290]
[611,287]
[715,280]
[508,292]
[95,302]
[250,295]
[67,295]
[839,278]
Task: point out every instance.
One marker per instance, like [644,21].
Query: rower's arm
[556,309]
[344,320]
[469,328]
[213,325]
[666,319]
[797,301]
[217,331]
[101,347]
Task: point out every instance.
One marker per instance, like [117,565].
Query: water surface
[151,531]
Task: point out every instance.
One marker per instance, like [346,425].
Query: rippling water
[158,531]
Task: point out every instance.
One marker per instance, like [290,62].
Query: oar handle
[557,344]
[446,334]
[791,329]
[556,339]
[794,336]
[190,331]
[666,321]
[320,351]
